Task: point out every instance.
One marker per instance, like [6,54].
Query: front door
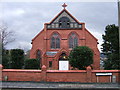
[63,65]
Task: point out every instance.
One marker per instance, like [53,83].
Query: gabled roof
[91,35]
[37,35]
[64,10]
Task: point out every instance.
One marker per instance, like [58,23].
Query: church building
[53,44]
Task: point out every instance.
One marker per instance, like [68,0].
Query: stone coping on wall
[20,70]
[34,70]
[105,71]
[66,71]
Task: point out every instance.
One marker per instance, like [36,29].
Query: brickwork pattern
[44,75]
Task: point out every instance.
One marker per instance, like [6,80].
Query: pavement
[62,85]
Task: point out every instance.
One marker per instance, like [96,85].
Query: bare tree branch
[6,36]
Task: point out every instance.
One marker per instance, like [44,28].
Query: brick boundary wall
[44,75]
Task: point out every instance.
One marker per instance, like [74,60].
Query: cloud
[26,19]
[16,12]
[99,37]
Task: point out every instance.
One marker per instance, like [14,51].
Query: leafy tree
[17,58]
[81,57]
[111,47]
[6,59]
[32,64]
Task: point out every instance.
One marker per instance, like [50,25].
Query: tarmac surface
[56,86]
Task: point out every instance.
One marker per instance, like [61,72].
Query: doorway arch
[63,56]
[63,61]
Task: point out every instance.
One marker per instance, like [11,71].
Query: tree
[110,47]
[6,59]
[81,57]
[17,58]
[32,64]
[6,36]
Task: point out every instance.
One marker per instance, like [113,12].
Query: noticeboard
[103,74]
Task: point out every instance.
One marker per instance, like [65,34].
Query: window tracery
[55,41]
[73,40]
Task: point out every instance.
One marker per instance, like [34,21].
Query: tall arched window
[55,41]
[38,56]
[73,40]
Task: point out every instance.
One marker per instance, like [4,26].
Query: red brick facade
[49,55]
[83,76]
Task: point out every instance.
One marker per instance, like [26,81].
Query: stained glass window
[38,56]
[52,42]
[73,40]
[55,41]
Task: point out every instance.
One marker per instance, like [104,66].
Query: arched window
[73,40]
[64,22]
[38,56]
[55,41]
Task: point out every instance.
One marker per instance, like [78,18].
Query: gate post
[1,68]
[43,74]
[89,74]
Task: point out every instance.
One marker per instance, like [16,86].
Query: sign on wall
[103,74]
[63,65]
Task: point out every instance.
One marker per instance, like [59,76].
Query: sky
[26,19]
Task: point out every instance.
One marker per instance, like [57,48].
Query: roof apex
[61,13]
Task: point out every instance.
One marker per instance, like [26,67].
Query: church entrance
[63,62]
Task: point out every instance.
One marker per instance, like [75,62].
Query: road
[57,86]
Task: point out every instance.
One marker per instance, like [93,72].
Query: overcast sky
[26,19]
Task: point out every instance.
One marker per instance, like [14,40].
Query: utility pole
[119,24]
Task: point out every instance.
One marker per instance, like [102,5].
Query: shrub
[81,57]
[17,58]
[32,64]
